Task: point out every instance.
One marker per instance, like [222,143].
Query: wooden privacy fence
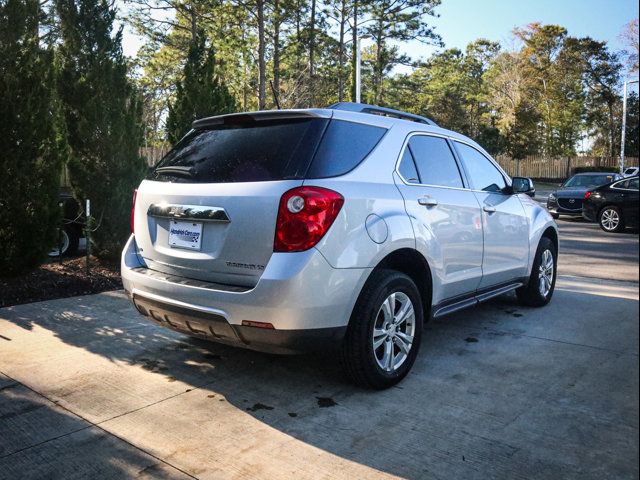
[541,167]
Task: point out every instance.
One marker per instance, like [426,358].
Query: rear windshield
[268,150]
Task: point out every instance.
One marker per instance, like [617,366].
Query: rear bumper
[307,301]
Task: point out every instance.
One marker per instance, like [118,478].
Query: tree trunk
[343,14]
[194,23]
[298,37]
[312,46]
[377,75]
[262,67]
[276,46]
[354,50]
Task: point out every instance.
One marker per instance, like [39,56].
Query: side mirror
[523,185]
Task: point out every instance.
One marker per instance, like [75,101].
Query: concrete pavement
[88,388]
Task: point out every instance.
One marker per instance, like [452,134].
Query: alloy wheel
[545,273]
[610,219]
[393,331]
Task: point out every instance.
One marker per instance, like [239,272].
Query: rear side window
[343,147]
[634,183]
[435,161]
[268,150]
[482,173]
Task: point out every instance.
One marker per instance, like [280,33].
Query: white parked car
[346,227]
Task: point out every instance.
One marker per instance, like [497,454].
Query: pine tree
[103,118]
[31,148]
[199,94]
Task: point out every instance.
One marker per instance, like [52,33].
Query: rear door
[444,213]
[208,210]
[504,220]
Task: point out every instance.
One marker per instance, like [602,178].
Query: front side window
[482,173]
[435,162]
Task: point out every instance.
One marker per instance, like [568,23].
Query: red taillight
[587,195]
[133,212]
[304,216]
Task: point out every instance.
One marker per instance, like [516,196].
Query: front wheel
[384,332]
[542,282]
[610,220]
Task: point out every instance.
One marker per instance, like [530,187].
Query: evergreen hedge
[31,142]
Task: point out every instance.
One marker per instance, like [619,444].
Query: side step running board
[446,309]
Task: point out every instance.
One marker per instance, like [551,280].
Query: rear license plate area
[186,235]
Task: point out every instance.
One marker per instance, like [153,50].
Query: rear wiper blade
[183,171]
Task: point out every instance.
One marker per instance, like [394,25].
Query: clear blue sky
[462,21]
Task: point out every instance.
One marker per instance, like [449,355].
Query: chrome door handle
[428,201]
[489,209]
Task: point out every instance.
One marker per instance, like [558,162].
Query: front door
[505,223]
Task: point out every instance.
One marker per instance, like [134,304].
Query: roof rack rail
[383,111]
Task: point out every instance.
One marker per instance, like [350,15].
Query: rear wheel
[610,220]
[69,240]
[542,281]
[384,333]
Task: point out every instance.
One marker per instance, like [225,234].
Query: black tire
[69,242]
[74,239]
[358,356]
[531,294]
[605,218]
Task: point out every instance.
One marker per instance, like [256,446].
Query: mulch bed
[59,280]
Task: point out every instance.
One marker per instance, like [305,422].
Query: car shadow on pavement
[488,384]
[65,446]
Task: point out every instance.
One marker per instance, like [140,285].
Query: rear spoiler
[264,115]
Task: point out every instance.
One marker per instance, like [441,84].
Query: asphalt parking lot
[89,389]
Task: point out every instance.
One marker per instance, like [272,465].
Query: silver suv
[349,227]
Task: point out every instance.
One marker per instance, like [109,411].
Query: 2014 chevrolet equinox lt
[292,230]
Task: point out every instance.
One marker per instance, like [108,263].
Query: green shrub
[103,113]
[30,143]
[596,169]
